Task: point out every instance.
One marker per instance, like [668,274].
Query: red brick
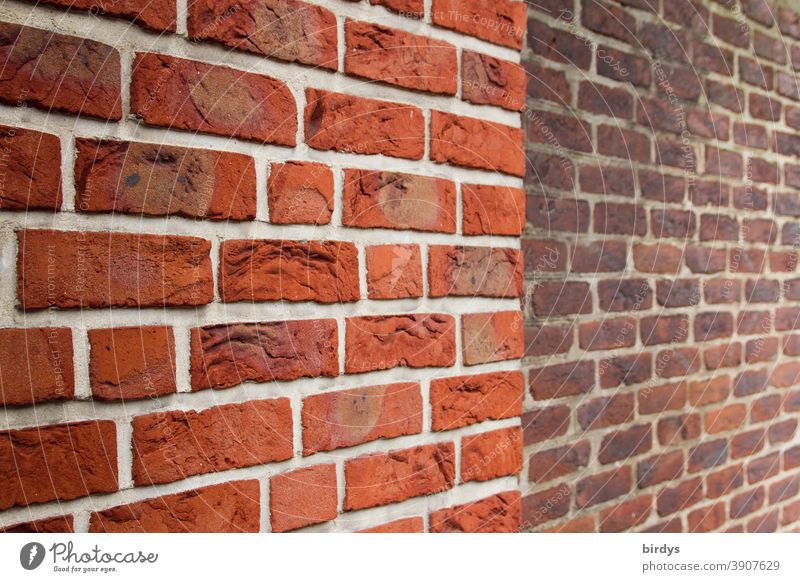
[619,218]
[60,524]
[496,514]
[255,107]
[608,334]
[572,133]
[394,271]
[398,201]
[492,210]
[474,143]
[59,72]
[303,497]
[722,482]
[623,143]
[291,31]
[608,20]
[409,9]
[491,337]
[546,505]
[545,423]
[160,180]
[558,45]
[544,256]
[678,362]
[746,503]
[350,417]
[603,487]
[707,455]
[400,58]
[600,178]
[547,83]
[664,329]
[345,123]
[659,399]
[763,468]
[487,80]
[465,400]
[557,214]
[606,411]
[132,362]
[501,22]
[551,299]
[31,170]
[679,428]
[583,524]
[747,443]
[300,193]
[274,270]
[706,519]
[405,525]
[35,365]
[474,271]
[73,269]
[623,444]
[657,258]
[173,445]
[160,15]
[560,380]
[558,462]
[785,375]
[395,476]
[712,325]
[626,515]
[680,496]
[226,508]
[659,468]
[414,341]
[228,354]
[490,455]
[612,101]
[57,462]
[625,370]
[625,294]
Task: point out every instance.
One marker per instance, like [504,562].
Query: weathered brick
[486,80]
[465,400]
[35,365]
[490,455]
[492,210]
[501,22]
[474,271]
[491,337]
[31,170]
[300,193]
[303,497]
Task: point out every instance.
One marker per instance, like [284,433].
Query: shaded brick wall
[661,266]
[261,265]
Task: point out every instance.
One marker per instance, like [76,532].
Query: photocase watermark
[65,558]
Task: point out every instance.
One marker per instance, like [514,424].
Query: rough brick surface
[32,173]
[465,400]
[159,15]
[394,271]
[300,193]
[475,271]
[303,497]
[497,514]
[36,365]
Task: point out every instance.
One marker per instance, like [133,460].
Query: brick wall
[662,292]
[261,265]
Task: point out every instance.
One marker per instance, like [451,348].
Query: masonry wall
[261,267]
[662,294]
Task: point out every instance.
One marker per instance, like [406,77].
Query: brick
[728,96]
[557,214]
[58,462]
[664,329]
[675,429]
[599,178]
[622,66]
[544,256]
[350,124]
[603,487]
[606,411]
[172,445]
[785,489]
[226,508]
[160,16]
[561,380]
[414,341]
[608,20]
[625,294]
[626,515]
[474,271]
[705,260]
[228,354]
[712,325]
[545,423]
[300,193]
[36,365]
[303,497]
[747,443]
[612,218]
[394,271]
[599,257]
[583,524]
[255,107]
[384,478]
[407,8]
[491,337]
[746,503]
[60,524]
[281,270]
[487,80]
[561,298]
[663,42]
[678,292]
[72,269]
[546,83]
[677,362]
[465,400]
[653,400]
[659,468]
[548,171]
[710,391]
[350,417]
[291,31]
[474,143]
[501,22]
[657,258]
[399,58]
[405,525]
[499,513]
[763,468]
[572,133]
[680,496]
[750,382]
[558,45]
[31,170]
[492,210]
[782,431]
[558,462]
[604,100]
[161,180]
[623,444]
[707,455]
[622,143]
[546,505]
[625,370]
[608,334]
[398,201]
[491,455]
[724,481]
[132,362]
[547,340]
[785,375]
[707,519]
[59,72]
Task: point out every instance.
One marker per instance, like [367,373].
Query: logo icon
[31,555]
